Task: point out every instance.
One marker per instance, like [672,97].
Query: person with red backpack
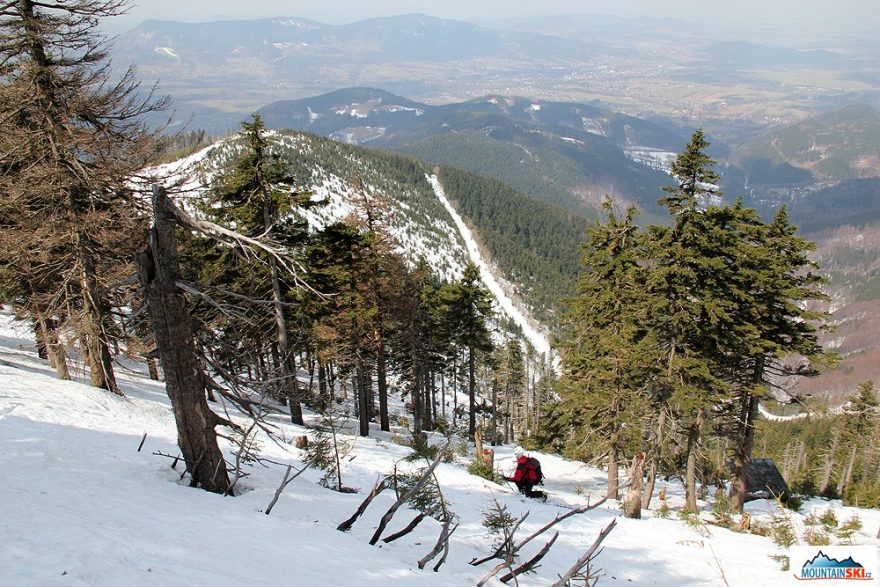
[527,475]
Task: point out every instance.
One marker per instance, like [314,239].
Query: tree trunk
[695,434]
[613,455]
[153,368]
[382,384]
[54,349]
[95,336]
[493,439]
[158,273]
[745,440]
[323,393]
[39,326]
[846,478]
[657,453]
[632,507]
[416,393]
[363,398]
[472,384]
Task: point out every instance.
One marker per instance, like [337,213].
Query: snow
[82,506]
[167,51]
[538,339]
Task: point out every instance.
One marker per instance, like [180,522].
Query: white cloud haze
[825,16]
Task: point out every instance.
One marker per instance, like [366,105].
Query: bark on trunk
[382,384]
[632,507]
[693,446]
[363,398]
[158,273]
[472,384]
[613,482]
[153,368]
[657,453]
[745,441]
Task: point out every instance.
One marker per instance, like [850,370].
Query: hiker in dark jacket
[527,475]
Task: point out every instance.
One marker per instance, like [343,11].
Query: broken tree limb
[506,564]
[558,518]
[284,483]
[445,549]
[381,485]
[585,559]
[505,546]
[411,526]
[530,564]
[442,542]
[408,495]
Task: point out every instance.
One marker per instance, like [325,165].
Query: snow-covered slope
[421,218]
[82,506]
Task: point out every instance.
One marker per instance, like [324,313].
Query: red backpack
[533,472]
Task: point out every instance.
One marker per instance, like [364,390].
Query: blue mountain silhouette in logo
[824,561]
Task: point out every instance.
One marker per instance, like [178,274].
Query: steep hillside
[832,147]
[850,256]
[527,240]
[84,504]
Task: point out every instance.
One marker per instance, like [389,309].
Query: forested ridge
[533,241]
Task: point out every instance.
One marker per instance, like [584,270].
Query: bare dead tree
[158,272]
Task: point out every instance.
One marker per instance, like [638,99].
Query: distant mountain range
[563,153]
[221,70]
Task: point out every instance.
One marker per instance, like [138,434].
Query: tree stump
[632,505]
[489,457]
[301,441]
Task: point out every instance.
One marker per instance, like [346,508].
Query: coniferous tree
[690,286]
[257,197]
[778,281]
[72,138]
[469,307]
[606,359]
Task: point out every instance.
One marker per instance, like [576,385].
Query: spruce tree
[606,358]
[258,198]
[72,139]
[690,286]
[779,282]
[469,307]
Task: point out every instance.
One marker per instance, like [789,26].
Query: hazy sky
[826,15]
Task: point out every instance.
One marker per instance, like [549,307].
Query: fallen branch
[381,485]
[530,564]
[143,440]
[284,483]
[408,495]
[445,549]
[558,518]
[442,544]
[585,559]
[409,527]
